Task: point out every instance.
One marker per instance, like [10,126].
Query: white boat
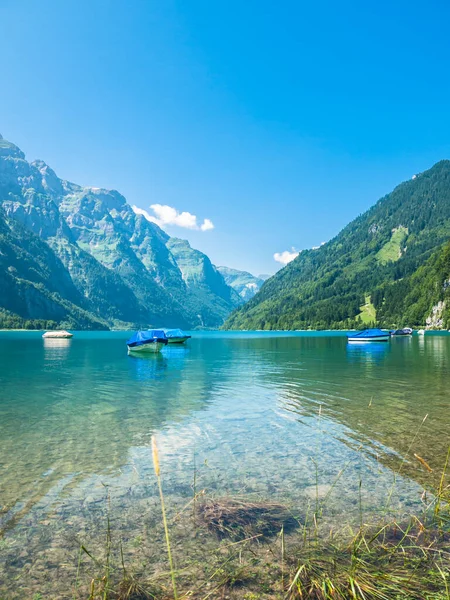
[144,342]
[421,332]
[57,334]
[176,336]
[369,335]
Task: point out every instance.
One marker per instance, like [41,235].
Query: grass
[248,549]
[244,548]
[163,510]
[392,250]
[368,312]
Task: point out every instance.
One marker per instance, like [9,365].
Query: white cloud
[167,215]
[285,257]
[317,247]
[206,225]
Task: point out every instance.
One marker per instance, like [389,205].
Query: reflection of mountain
[247,403]
[380,394]
[89,403]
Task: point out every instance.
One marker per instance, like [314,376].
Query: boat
[63,334]
[176,336]
[421,332]
[151,340]
[404,331]
[370,335]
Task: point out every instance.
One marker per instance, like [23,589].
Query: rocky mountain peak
[50,181]
[124,271]
[8,149]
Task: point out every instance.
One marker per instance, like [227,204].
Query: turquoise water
[254,414]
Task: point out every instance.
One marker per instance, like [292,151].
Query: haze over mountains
[390,266]
[80,257]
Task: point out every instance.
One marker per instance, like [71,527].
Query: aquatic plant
[392,562]
[246,547]
[240,519]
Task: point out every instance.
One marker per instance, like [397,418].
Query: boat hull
[406,331]
[57,335]
[361,340]
[178,340]
[150,348]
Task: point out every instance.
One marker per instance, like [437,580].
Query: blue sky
[278,122]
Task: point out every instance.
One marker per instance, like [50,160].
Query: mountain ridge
[245,284]
[328,287]
[120,266]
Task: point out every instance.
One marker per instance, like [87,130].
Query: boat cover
[147,337]
[404,331]
[369,333]
[175,333]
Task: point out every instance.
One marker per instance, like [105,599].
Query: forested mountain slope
[356,277]
[84,258]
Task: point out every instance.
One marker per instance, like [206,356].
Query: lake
[303,418]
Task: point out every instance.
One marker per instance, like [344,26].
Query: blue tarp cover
[368,333]
[146,337]
[174,333]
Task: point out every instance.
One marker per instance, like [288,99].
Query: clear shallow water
[257,414]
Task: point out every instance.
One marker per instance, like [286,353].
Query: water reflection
[256,408]
[84,404]
[258,411]
[370,353]
[56,349]
[147,366]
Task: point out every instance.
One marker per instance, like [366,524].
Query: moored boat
[369,335]
[404,331]
[421,332]
[63,334]
[176,336]
[150,341]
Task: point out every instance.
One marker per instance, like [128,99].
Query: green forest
[389,267]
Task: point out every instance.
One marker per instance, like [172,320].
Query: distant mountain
[81,256]
[208,290]
[389,266]
[245,284]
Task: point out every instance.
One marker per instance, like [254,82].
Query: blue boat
[176,336]
[151,340]
[370,335]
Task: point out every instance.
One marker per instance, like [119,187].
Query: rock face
[206,286]
[94,262]
[245,284]
[436,318]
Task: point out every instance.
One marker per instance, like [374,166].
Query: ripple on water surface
[293,417]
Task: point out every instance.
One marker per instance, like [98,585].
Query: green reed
[388,561]
[163,509]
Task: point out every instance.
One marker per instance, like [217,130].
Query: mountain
[35,285]
[388,266]
[82,257]
[245,284]
[207,287]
